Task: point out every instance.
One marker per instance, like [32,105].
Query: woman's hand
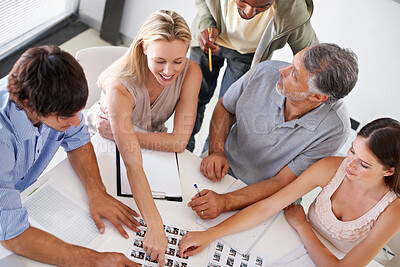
[295,216]
[194,242]
[104,127]
[155,243]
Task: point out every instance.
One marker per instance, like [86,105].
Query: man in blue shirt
[39,112]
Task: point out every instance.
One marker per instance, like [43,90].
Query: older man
[287,118]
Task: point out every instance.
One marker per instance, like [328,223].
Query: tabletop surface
[278,241]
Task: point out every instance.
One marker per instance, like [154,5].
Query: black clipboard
[155,196]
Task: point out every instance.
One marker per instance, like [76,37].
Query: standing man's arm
[212,204]
[216,166]
[83,161]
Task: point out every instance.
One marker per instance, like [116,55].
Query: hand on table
[104,127]
[194,242]
[155,243]
[107,259]
[104,205]
[209,205]
[206,40]
[295,216]
[215,167]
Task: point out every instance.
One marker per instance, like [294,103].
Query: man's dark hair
[333,70]
[51,81]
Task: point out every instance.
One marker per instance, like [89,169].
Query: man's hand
[109,259]
[295,216]
[104,205]
[155,243]
[215,166]
[104,127]
[209,205]
[206,40]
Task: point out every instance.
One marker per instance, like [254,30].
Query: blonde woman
[140,91]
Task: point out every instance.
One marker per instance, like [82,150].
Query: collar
[24,128]
[310,120]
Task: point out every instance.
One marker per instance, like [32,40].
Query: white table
[279,240]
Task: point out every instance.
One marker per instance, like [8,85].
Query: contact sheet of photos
[174,235]
[221,255]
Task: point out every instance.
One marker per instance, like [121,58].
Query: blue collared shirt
[25,151]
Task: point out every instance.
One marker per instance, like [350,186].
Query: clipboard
[162,172]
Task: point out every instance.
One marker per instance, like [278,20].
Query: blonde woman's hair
[161,25]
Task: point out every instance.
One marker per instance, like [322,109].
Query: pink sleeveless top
[146,117]
[343,235]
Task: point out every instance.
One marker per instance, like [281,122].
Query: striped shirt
[25,151]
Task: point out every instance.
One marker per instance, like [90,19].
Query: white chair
[93,61]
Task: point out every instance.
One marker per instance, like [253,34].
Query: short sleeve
[234,92]
[76,136]
[319,149]
[13,216]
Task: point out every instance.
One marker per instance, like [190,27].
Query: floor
[91,38]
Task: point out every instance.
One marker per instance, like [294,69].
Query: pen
[102,108]
[209,53]
[197,189]
[33,191]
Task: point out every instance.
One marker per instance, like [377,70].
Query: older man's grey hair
[333,70]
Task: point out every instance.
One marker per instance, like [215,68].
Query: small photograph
[259,261]
[184,264]
[177,255]
[220,246]
[170,251]
[211,264]
[217,256]
[232,252]
[141,233]
[243,264]
[230,261]
[138,243]
[172,240]
[172,230]
[183,232]
[137,254]
[142,222]
[149,259]
[246,257]
[169,262]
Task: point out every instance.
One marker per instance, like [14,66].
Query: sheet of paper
[298,257]
[4,252]
[161,170]
[237,240]
[174,235]
[222,255]
[52,210]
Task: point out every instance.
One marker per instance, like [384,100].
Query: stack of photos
[221,255]
[174,235]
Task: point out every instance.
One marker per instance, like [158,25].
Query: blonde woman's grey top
[146,117]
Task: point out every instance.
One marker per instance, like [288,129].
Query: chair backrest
[93,61]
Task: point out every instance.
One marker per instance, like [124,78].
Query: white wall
[371,28]
[135,12]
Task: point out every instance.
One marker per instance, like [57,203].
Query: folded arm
[184,118]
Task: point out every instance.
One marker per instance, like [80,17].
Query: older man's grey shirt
[261,142]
